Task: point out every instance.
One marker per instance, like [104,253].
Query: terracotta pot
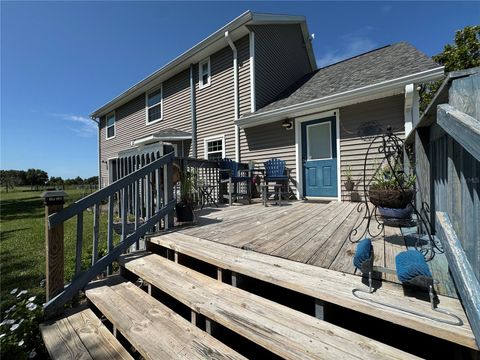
[391,198]
[349,185]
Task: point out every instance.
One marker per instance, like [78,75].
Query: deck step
[154,330]
[81,335]
[279,329]
[324,284]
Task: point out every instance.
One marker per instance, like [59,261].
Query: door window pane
[319,141]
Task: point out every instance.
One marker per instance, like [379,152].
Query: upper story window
[204,73]
[215,148]
[154,106]
[110,125]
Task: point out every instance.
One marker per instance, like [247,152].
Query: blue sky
[62,60]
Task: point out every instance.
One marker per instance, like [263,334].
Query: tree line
[36,178]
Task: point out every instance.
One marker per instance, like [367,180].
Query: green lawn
[22,241]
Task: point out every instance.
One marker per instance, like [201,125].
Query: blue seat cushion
[410,265]
[363,253]
[276,178]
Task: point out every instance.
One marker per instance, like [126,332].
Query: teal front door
[319,157]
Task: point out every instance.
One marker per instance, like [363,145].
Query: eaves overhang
[237,28]
[369,92]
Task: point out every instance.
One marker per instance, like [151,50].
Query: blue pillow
[363,253]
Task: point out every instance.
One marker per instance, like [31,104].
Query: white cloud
[85,126]
[349,45]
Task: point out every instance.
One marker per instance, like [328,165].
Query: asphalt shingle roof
[386,63]
[171,133]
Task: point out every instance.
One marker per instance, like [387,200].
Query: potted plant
[184,208]
[392,191]
[349,183]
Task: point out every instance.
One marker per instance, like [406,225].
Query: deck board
[310,232]
[324,284]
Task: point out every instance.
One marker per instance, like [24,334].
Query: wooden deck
[314,233]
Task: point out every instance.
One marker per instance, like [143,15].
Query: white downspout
[235,93]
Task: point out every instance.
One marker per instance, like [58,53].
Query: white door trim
[298,149]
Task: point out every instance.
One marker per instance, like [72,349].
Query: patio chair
[232,174]
[411,270]
[276,172]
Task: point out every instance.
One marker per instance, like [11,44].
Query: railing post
[54,244]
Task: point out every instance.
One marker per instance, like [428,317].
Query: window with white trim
[204,73]
[215,148]
[110,119]
[154,106]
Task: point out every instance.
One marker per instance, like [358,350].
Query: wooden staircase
[145,320]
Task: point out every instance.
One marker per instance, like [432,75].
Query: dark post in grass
[54,201]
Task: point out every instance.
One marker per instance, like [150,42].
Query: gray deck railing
[148,190]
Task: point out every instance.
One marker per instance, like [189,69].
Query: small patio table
[206,193]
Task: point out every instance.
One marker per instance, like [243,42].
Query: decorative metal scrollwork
[372,223]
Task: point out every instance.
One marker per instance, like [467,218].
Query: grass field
[22,241]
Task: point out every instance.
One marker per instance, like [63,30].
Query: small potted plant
[392,191]
[184,208]
[349,183]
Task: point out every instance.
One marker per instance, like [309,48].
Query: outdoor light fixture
[287,124]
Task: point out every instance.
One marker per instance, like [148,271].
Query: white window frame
[114,125]
[213,138]
[200,77]
[148,107]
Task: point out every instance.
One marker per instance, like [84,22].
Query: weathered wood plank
[284,331]
[467,283]
[81,335]
[460,126]
[327,285]
[142,318]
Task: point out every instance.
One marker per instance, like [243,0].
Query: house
[252,91]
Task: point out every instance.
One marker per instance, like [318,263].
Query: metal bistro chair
[233,175]
[276,172]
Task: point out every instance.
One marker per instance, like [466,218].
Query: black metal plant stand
[372,224]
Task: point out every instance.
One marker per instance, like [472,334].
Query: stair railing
[148,191]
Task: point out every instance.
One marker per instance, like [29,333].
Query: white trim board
[298,150]
[362,94]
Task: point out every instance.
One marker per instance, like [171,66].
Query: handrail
[81,281]
[146,193]
[92,199]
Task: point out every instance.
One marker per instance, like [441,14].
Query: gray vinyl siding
[215,103]
[382,113]
[131,119]
[280,60]
[264,142]
[261,143]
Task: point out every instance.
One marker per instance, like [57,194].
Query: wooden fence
[447,148]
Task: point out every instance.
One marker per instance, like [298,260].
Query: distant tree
[6,179]
[463,54]
[36,177]
[56,181]
[12,178]
[78,180]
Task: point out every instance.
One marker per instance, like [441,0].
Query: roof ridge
[361,54]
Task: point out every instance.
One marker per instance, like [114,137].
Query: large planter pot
[349,185]
[405,213]
[391,198]
[184,212]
